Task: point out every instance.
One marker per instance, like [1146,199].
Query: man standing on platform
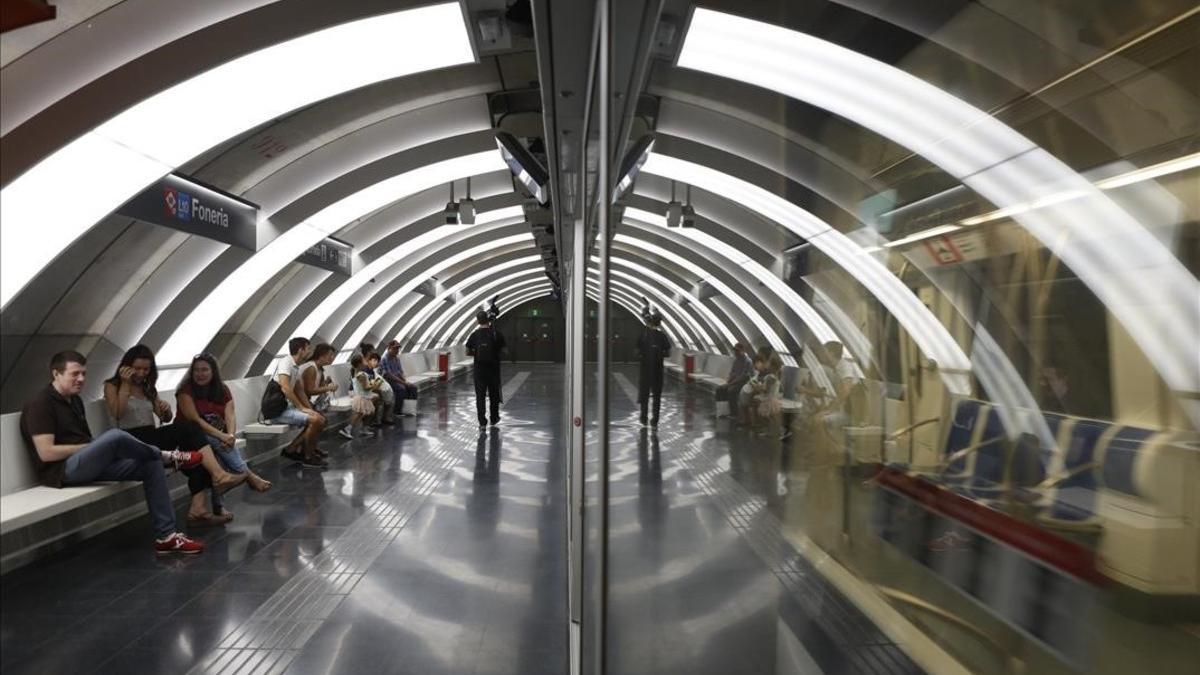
[653,347]
[486,345]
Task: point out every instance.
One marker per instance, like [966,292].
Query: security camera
[687,216]
[451,213]
[466,211]
[674,213]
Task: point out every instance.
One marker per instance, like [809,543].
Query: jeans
[115,455]
[230,458]
[292,417]
[402,390]
[181,435]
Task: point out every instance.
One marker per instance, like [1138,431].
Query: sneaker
[183,460]
[178,543]
[346,433]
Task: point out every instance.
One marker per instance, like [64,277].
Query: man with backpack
[486,344]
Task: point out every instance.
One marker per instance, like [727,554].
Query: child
[767,399]
[360,400]
[746,402]
[379,385]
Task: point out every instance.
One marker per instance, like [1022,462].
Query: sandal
[209,519]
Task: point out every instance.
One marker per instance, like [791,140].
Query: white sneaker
[346,433]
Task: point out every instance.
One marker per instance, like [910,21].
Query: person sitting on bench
[739,374]
[64,453]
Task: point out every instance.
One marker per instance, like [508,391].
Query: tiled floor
[433,549]
[474,582]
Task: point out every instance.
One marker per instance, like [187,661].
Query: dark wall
[536,331]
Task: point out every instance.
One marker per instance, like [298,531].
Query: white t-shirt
[286,365]
[848,370]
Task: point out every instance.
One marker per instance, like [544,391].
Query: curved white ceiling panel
[111,163]
[210,315]
[348,294]
[935,341]
[1137,278]
[387,305]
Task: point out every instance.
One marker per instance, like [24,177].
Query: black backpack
[273,401]
[485,347]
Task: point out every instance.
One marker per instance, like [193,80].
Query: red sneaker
[178,543]
[183,460]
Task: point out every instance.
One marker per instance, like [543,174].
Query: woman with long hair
[204,400]
[133,404]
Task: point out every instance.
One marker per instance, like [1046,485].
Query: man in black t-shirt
[653,347]
[61,447]
[486,345]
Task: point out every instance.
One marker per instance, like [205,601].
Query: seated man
[63,451]
[393,372]
[739,374]
[299,411]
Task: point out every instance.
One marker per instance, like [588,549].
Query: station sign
[329,254]
[181,203]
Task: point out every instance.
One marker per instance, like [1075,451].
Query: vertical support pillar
[604,188]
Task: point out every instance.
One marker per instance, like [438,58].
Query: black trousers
[180,435]
[650,387]
[487,383]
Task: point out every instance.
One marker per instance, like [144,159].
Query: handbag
[273,401]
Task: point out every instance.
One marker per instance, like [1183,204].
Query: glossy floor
[436,549]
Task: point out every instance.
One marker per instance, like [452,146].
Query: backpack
[273,401]
[485,347]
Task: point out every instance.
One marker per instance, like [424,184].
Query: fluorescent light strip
[382,308]
[466,320]
[529,262]
[1136,277]
[464,325]
[662,300]
[236,288]
[694,302]
[762,325]
[670,324]
[922,235]
[105,167]
[814,321]
[472,292]
[807,314]
[929,334]
[349,290]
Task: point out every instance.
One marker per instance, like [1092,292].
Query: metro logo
[178,203]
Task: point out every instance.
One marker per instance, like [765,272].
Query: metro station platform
[432,548]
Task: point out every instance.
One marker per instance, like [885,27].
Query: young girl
[360,400]
[746,402]
[767,399]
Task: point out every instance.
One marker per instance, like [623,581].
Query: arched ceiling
[363,146]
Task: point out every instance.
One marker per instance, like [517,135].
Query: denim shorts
[293,417]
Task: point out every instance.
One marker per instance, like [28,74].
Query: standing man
[393,372]
[653,347]
[486,344]
[739,374]
[63,451]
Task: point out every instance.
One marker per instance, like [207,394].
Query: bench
[1130,491]
[35,520]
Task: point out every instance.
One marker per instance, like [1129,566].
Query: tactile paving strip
[270,638]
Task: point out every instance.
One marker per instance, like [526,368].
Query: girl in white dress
[360,400]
